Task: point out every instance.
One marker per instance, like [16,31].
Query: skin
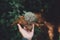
[39,17]
[50,30]
[59,29]
[26,33]
[49,25]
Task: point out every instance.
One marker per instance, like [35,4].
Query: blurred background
[10,10]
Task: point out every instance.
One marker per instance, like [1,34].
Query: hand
[59,28]
[49,25]
[25,33]
[50,31]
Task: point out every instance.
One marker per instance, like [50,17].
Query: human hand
[49,25]
[50,31]
[25,33]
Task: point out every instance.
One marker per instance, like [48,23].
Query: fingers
[33,28]
[45,23]
[48,24]
[33,25]
[18,25]
[59,29]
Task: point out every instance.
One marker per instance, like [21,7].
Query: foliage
[10,11]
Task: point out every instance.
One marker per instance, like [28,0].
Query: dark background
[11,9]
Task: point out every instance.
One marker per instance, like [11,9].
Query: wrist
[25,39]
[28,39]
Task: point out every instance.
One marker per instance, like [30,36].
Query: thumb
[33,27]
[18,25]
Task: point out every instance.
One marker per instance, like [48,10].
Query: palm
[25,33]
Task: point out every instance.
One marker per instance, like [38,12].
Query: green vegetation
[10,10]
